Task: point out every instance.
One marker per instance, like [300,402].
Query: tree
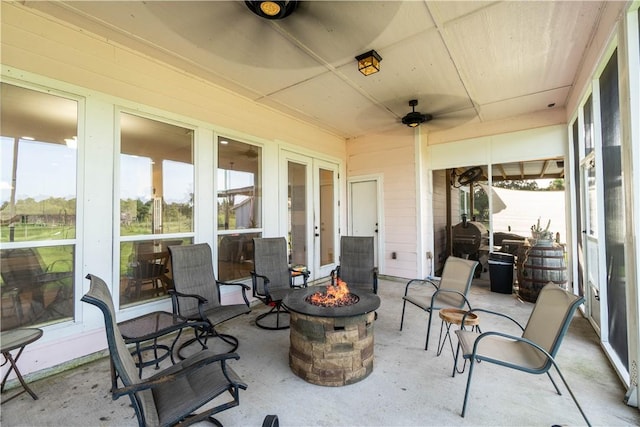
[518,184]
[142,210]
[556,185]
[480,205]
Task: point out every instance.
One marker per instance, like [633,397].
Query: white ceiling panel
[524,104]
[329,104]
[503,58]
[514,49]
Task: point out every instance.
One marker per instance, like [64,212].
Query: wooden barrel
[541,264]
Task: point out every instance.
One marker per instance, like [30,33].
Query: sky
[47,170]
[44,170]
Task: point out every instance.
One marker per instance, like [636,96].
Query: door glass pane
[588,125]
[239,206]
[156,200]
[614,209]
[37,203]
[578,202]
[327,215]
[297,201]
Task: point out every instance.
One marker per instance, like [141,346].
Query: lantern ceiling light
[369,63]
[272,9]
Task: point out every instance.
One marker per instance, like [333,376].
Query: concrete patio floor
[408,386]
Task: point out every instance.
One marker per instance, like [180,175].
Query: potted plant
[541,236]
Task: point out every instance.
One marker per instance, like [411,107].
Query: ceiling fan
[272,9]
[469,176]
[414,118]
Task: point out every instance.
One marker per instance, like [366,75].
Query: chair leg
[554,383]
[404,303]
[455,362]
[426,345]
[229,339]
[570,392]
[466,392]
[276,310]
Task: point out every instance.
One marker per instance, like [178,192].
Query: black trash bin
[501,272]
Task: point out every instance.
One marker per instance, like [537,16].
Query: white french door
[309,194]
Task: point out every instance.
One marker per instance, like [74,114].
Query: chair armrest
[295,273]
[375,280]
[181,369]
[175,300]
[450,291]
[265,284]
[484,310]
[335,273]
[243,287]
[510,337]
[177,294]
[418,282]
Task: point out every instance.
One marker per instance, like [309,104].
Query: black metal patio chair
[273,279]
[196,294]
[175,394]
[357,264]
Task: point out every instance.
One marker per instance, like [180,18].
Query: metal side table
[150,327]
[17,339]
[454,316]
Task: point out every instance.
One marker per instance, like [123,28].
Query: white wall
[38,51]
[392,155]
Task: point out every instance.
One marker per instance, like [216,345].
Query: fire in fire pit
[337,295]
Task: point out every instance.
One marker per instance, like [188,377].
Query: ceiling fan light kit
[414,118]
[272,9]
[369,62]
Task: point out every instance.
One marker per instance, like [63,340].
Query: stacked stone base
[331,351]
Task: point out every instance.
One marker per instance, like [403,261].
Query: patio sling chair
[534,351]
[174,394]
[450,291]
[357,264]
[273,279]
[196,294]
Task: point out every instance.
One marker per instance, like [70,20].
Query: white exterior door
[364,212]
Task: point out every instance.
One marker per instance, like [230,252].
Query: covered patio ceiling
[466,62]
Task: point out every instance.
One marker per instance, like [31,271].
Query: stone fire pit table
[331,346]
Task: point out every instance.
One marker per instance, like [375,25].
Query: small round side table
[16,339]
[453,316]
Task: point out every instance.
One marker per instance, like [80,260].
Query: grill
[470,239]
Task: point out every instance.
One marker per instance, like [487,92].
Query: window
[156,203]
[239,206]
[37,206]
